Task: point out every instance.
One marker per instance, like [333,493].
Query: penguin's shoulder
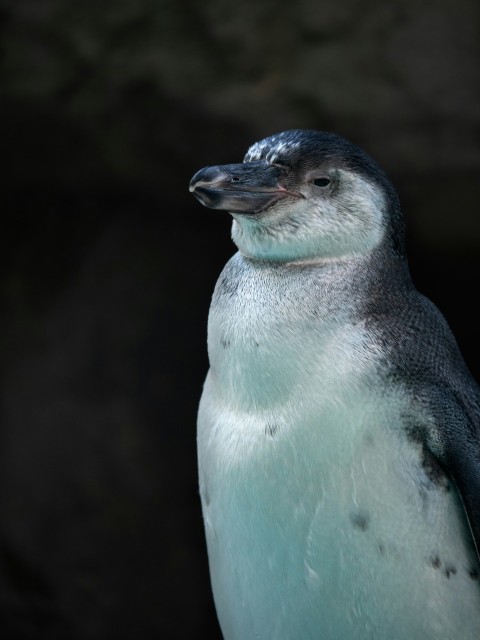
[424,359]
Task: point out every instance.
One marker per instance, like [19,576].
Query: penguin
[339,427]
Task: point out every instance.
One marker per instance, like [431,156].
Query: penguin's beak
[247,188]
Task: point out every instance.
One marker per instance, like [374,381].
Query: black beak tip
[207,177]
[194,181]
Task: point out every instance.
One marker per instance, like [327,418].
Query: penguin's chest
[264,352]
[322,517]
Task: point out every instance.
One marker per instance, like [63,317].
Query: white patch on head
[349,221]
[270,149]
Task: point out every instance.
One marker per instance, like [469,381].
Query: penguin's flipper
[463,463]
[461,454]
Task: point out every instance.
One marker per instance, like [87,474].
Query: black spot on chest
[435,561]
[448,569]
[227,286]
[271,429]
[360,519]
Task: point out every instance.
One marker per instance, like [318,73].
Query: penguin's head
[301,195]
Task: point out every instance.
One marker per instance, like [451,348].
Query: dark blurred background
[108,264]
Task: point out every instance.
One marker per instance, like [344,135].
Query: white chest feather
[321,520]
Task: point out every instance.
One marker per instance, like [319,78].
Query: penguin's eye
[321,182]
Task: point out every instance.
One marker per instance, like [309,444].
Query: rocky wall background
[107,263]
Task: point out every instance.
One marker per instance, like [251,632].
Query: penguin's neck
[269,324]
